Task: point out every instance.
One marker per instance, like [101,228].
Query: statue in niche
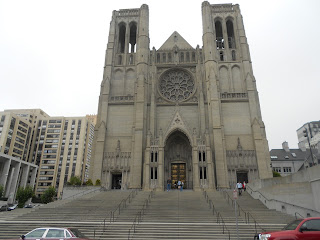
[239,147]
[118,150]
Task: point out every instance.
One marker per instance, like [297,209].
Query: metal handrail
[255,222]
[138,217]
[118,208]
[218,215]
[83,193]
[226,195]
[296,213]
[309,209]
[247,214]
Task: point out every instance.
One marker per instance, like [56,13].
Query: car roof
[51,228]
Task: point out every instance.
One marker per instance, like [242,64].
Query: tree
[1,191]
[75,180]
[48,195]
[98,182]
[276,174]
[23,195]
[89,182]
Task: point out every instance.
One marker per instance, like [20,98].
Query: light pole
[305,134]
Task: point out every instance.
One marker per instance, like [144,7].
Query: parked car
[304,229]
[4,208]
[54,233]
[12,206]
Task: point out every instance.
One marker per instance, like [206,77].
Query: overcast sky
[52,54]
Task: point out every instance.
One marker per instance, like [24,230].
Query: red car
[54,233]
[304,229]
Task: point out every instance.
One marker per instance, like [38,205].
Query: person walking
[244,185]
[239,186]
[169,184]
[179,185]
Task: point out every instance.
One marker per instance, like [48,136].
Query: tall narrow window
[182,57]
[193,56]
[151,172]
[204,173]
[156,157]
[200,156]
[221,56]
[230,33]
[204,156]
[119,60]
[187,57]
[158,57]
[233,55]
[155,173]
[219,35]
[169,58]
[122,38]
[152,157]
[164,56]
[133,37]
[200,169]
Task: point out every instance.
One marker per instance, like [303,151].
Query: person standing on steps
[181,187]
[239,186]
[169,184]
[244,186]
[179,184]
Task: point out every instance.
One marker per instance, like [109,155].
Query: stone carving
[234,95]
[116,161]
[176,85]
[120,99]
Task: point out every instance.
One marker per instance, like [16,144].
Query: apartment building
[59,146]
[61,149]
[16,168]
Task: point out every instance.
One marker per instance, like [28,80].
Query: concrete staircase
[166,215]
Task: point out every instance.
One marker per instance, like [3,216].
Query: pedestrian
[169,184]
[179,184]
[239,186]
[181,187]
[244,185]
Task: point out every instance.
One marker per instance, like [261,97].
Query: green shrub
[23,195]
[89,182]
[48,195]
[98,182]
[1,191]
[276,174]
[75,181]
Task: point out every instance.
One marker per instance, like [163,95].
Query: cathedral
[179,112]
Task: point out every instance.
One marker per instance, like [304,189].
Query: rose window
[176,85]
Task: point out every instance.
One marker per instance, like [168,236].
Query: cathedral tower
[179,112]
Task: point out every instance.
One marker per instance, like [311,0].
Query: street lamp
[305,134]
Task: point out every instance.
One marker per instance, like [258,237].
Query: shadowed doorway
[178,159]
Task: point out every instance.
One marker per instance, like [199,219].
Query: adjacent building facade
[313,131]
[60,147]
[179,112]
[16,167]
[288,160]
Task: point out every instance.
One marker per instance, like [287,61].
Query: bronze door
[178,172]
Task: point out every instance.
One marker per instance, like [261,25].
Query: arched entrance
[178,159]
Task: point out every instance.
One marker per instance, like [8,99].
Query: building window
[277,169]
[287,170]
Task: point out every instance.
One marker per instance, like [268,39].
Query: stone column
[25,175]
[33,176]
[5,173]
[161,169]
[12,188]
[195,163]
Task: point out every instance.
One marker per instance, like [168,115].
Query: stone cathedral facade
[179,112]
